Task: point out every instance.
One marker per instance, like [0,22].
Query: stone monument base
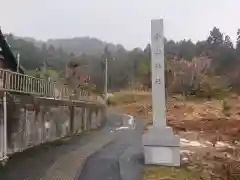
[161,147]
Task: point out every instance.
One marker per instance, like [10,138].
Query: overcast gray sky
[126,22]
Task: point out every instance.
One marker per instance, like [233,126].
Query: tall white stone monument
[161,146]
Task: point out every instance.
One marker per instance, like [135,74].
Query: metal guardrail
[16,82]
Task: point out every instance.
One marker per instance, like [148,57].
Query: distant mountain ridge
[34,41]
[84,45]
[79,45]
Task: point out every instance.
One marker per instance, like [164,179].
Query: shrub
[212,87]
[184,77]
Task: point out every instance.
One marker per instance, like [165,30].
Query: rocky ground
[209,131]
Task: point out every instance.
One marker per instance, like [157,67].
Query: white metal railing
[16,82]
[29,132]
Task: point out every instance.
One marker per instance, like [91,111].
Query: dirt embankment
[209,131]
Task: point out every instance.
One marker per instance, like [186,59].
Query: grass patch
[121,98]
[169,173]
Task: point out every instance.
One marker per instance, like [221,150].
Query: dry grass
[168,173]
[125,97]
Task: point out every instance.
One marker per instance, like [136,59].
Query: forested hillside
[196,63]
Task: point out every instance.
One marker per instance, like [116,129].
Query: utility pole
[134,71]
[18,62]
[44,67]
[66,70]
[106,79]
[45,70]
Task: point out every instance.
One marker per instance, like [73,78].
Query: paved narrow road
[120,160]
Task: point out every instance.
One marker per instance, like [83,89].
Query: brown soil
[210,132]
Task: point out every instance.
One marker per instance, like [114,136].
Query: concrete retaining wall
[33,121]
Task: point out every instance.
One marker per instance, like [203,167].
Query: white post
[106,79]
[160,145]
